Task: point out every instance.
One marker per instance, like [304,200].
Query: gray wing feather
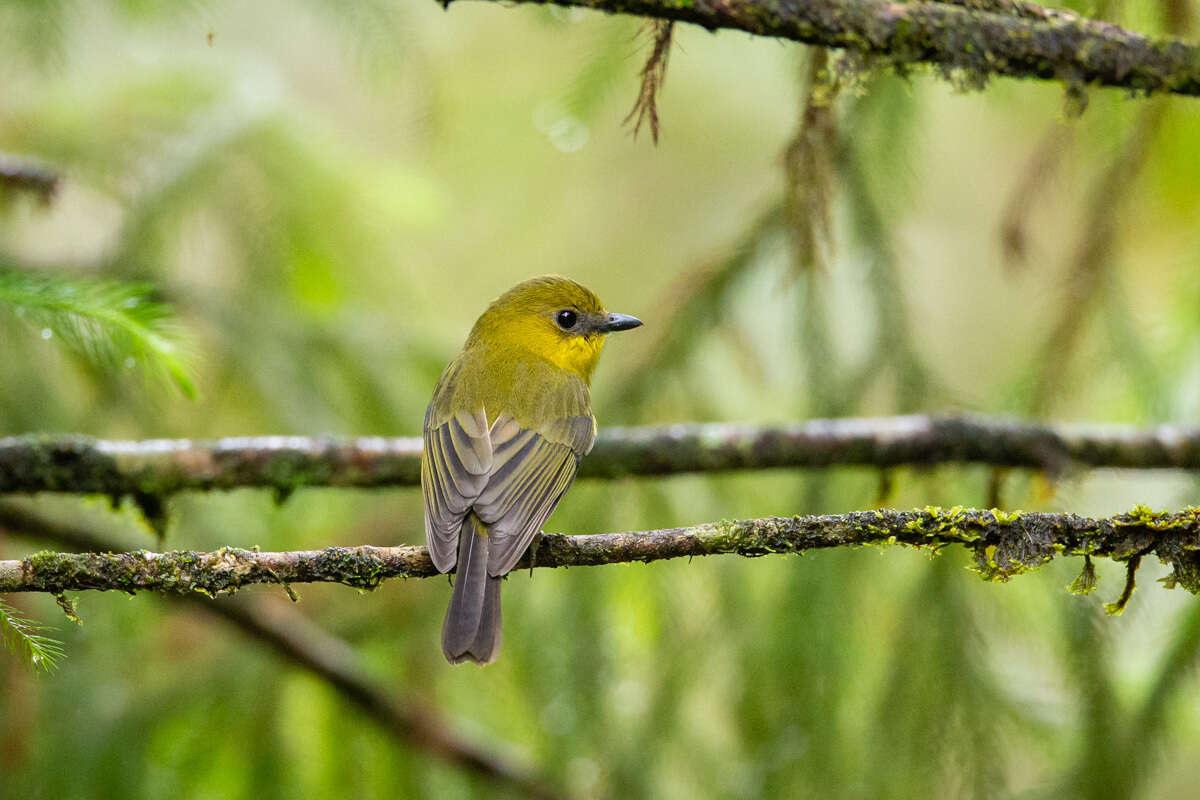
[530,472]
[455,464]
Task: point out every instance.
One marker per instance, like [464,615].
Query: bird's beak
[618,322]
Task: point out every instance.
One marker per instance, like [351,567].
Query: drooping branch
[156,468]
[411,719]
[408,718]
[1024,40]
[1004,544]
[1091,267]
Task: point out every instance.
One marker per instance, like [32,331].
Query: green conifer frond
[111,324]
[27,639]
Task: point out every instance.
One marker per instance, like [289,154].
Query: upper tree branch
[1025,41]
[1004,544]
[76,464]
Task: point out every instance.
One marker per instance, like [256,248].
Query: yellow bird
[509,420]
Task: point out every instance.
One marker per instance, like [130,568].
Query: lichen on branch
[1023,40]
[1003,544]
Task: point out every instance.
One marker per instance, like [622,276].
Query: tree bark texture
[1024,40]
[1004,544]
[159,468]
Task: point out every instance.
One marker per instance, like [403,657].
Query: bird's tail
[472,630]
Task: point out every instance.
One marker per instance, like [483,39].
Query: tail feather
[472,630]
[488,636]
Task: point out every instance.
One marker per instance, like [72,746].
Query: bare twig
[1036,43]
[808,163]
[1014,227]
[1091,262]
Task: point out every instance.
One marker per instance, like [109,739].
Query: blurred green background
[328,194]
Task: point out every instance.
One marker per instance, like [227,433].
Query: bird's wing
[531,469]
[455,464]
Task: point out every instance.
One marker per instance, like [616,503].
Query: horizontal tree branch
[1004,544]
[1024,40]
[157,468]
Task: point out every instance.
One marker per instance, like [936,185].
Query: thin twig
[809,165]
[1091,262]
[1018,212]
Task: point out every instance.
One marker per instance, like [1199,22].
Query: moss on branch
[1024,41]
[1003,544]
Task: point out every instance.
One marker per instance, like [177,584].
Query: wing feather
[511,536]
[577,432]
[531,470]
[510,475]
[469,443]
[510,456]
[455,462]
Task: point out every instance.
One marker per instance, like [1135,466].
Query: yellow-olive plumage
[508,422]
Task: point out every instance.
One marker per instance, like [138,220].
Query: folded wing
[530,471]
[510,474]
[455,465]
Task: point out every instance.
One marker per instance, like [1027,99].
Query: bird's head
[554,318]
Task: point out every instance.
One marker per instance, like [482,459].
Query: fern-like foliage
[27,639]
[111,324]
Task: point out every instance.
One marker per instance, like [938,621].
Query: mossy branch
[1004,544]
[158,468]
[1021,40]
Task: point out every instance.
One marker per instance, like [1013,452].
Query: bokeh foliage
[328,194]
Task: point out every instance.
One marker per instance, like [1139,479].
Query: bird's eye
[566,319]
